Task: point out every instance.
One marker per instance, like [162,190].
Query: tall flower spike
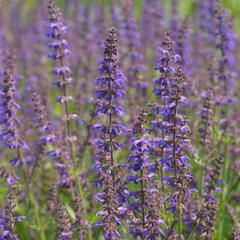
[133,63]
[8,219]
[9,214]
[80,221]
[226,68]
[109,212]
[214,173]
[208,213]
[83,29]
[173,129]
[205,20]
[206,113]
[58,45]
[184,47]
[152,22]
[174,21]
[116,14]
[209,216]
[206,216]
[64,225]
[136,67]
[59,153]
[153,229]
[111,83]
[110,89]
[165,65]
[176,131]
[10,136]
[139,167]
[224,39]
[180,131]
[57,30]
[41,120]
[52,197]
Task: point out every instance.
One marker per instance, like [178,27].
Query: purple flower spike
[10,136]
[109,92]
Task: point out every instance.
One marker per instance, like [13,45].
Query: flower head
[10,135]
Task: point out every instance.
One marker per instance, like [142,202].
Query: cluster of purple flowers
[139,172]
[58,45]
[10,134]
[110,90]
[8,219]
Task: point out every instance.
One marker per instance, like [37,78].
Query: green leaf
[70,211]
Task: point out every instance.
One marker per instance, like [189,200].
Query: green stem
[202,172]
[143,199]
[36,215]
[202,163]
[179,220]
[110,122]
[69,135]
[71,148]
[225,174]
[170,230]
[161,169]
[31,199]
[224,192]
[194,227]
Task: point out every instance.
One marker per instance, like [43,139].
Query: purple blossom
[10,134]
[110,89]
[59,51]
[64,226]
[225,43]
[8,219]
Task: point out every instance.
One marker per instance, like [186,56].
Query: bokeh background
[186,6]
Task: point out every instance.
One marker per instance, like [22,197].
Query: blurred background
[187,7]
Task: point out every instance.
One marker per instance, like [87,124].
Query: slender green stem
[84,145]
[72,147]
[110,122]
[193,231]
[223,71]
[142,184]
[201,177]
[203,151]
[225,174]
[197,221]
[36,215]
[161,169]
[31,199]
[143,199]
[224,192]
[69,134]
[175,165]
[170,230]
[179,219]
